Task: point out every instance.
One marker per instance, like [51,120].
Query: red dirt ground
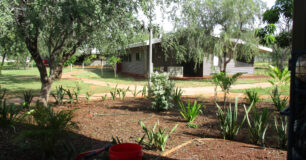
[99,121]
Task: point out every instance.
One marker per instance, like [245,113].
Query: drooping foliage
[194,35]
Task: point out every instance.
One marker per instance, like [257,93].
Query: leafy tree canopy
[197,21]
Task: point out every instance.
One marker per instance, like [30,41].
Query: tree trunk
[18,66]
[2,63]
[45,91]
[59,75]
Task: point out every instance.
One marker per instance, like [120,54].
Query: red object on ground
[125,151]
[45,62]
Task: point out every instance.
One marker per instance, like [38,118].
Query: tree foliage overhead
[60,27]
[278,32]
[194,36]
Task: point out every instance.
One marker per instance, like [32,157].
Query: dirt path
[191,91]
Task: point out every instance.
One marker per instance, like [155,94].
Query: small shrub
[258,125]
[177,95]
[2,94]
[88,96]
[114,92]
[122,92]
[144,91]
[160,91]
[135,92]
[156,139]
[8,114]
[50,129]
[70,96]
[251,96]
[225,82]
[280,77]
[59,95]
[191,125]
[77,92]
[228,121]
[280,104]
[281,131]
[104,98]
[190,111]
[28,97]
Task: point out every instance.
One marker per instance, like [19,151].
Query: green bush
[280,104]
[50,129]
[251,96]
[156,139]
[77,91]
[144,91]
[177,95]
[70,95]
[2,94]
[28,97]
[228,120]
[160,91]
[190,111]
[59,95]
[114,92]
[122,92]
[135,92]
[280,77]
[88,96]
[8,114]
[225,82]
[258,125]
[281,130]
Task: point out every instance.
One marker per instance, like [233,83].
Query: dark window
[138,57]
[125,58]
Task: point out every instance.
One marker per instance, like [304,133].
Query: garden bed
[99,121]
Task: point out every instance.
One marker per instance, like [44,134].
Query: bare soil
[99,121]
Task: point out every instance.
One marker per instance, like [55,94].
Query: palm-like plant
[280,77]
[225,82]
[190,111]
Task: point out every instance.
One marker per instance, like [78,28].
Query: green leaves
[161,91]
[190,112]
[155,139]
[228,120]
[279,103]
[280,77]
[251,96]
[258,125]
[281,130]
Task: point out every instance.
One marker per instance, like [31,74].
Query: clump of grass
[190,111]
[155,139]
[28,97]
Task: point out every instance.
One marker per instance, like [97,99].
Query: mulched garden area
[100,121]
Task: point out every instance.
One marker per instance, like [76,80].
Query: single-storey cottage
[135,62]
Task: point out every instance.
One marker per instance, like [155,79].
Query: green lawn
[108,76]
[285,90]
[16,81]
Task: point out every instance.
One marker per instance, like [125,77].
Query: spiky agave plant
[155,139]
[228,120]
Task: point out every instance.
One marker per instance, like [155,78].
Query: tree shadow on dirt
[72,145]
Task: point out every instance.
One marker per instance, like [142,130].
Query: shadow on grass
[74,144]
[107,74]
